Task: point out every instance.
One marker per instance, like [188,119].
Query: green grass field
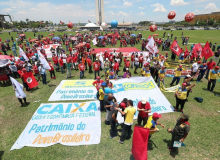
[202,141]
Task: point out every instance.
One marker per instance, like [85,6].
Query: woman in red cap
[181,95]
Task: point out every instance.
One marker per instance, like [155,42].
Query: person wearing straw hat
[143,108]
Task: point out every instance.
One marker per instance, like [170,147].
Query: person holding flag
[152,123]
[19,93]
[213,74]
[177,75]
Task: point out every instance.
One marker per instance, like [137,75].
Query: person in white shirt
[136,63]
[161,62]
[195,68]
[147,59]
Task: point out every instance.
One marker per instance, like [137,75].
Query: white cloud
[6,10]
[202,1]
[46,11]
[127,3]
[141,7]
[141,14]
[159,8]
[211,7]
[178,3]
[120,13]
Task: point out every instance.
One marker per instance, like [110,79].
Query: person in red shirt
[88,46]
[93,55]
[97,83]
[61,64]
[36,72]
[89,61]
[116,67]
[144,108]
[210,66]
[55,61]
[127,63]
[75,63]
[96,66]
[106,55]
[111,57]
[51,70]
[132,60]
[82,70]
[141,58]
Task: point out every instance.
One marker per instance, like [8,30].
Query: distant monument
[99,5]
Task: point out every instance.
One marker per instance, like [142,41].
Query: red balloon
[171,15]
[153,28]
[70,25]
[189,17]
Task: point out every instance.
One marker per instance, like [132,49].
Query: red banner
[30,80]
[184,73]
[139,143]
[3,77]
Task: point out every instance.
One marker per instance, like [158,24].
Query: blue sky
[84,10]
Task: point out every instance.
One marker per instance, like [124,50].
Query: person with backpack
[101,96]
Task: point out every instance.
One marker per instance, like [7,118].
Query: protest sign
[69,124]
[136,88]
[74,90]
[47,49]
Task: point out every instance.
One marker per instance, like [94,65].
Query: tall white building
[99,6]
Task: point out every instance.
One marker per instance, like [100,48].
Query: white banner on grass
[74,90]
[69,124]
[136,88]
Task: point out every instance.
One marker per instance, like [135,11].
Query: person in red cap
[202,71]
[195,68]
[161,75]
[129,113]
[213,74]
[144,108]
[152,123]
[177,75]
[181,95]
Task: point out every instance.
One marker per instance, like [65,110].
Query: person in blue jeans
[43,73]
[177,75]
[14,50]
[202,71]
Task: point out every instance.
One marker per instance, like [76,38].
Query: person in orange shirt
[84,60]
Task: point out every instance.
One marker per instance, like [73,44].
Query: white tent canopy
[91,25]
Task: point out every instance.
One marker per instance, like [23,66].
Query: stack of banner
[171,89]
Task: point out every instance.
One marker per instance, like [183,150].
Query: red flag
[61,22]
[186,52]
[30,80]
[89,21]
[206,51]
[139,143]
[197,50]
[175,48]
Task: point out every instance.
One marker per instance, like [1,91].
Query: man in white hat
[144,108]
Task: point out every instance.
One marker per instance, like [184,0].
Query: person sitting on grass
[127,74]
